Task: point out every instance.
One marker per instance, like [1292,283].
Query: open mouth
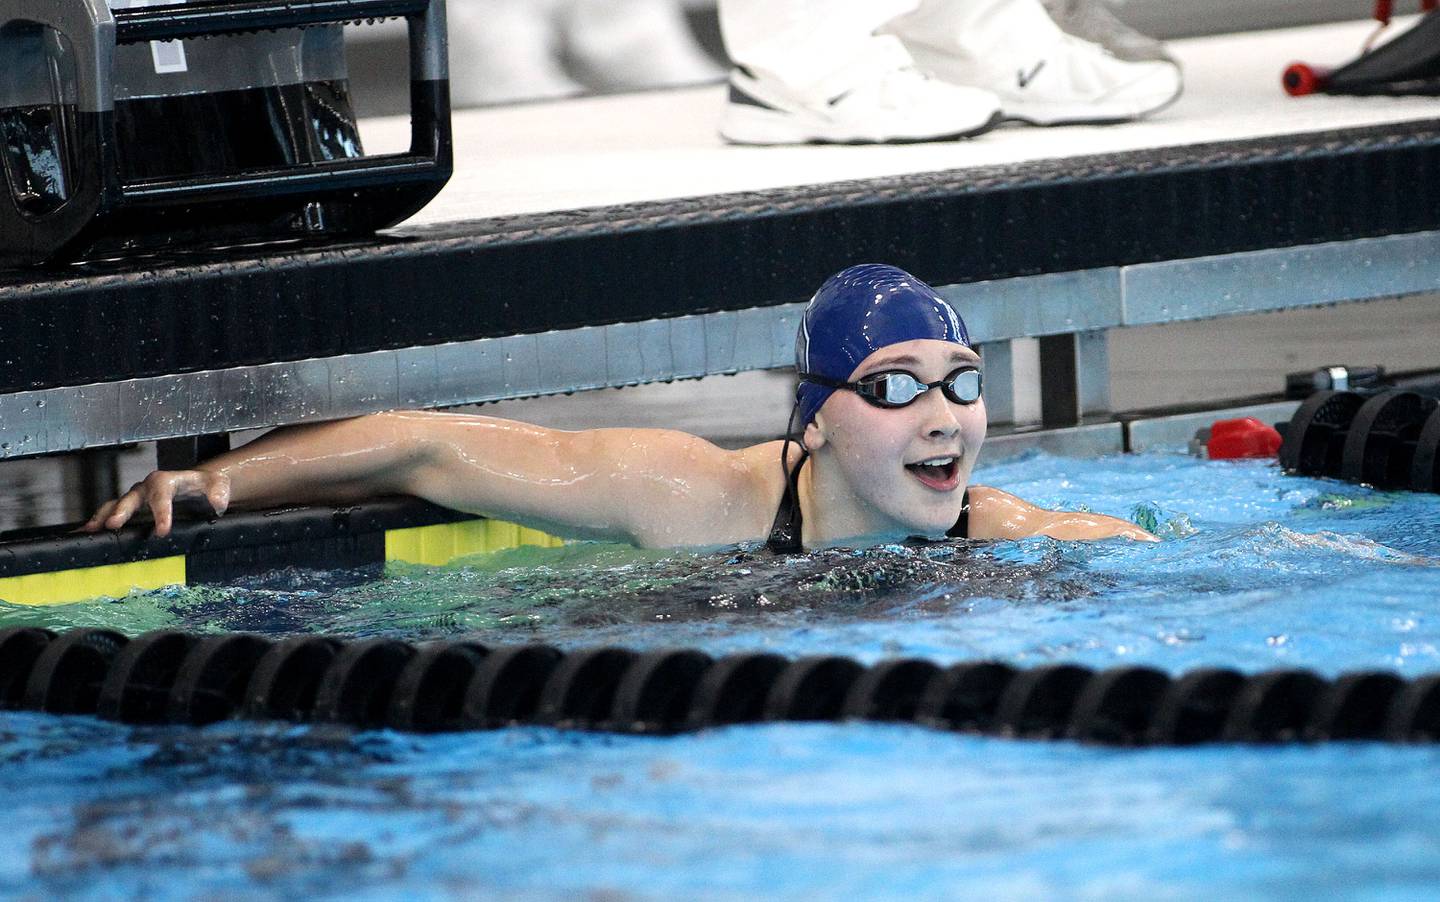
[939,473]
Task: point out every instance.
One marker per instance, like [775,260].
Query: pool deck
[662,145]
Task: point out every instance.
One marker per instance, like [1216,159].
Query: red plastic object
[1301,79]
[1242,438]
[1385,9]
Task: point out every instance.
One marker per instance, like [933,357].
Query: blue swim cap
[856,313]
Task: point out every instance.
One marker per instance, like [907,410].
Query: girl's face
[899,470]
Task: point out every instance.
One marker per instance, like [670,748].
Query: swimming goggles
[900,389]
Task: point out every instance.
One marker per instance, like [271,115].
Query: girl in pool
[889,402]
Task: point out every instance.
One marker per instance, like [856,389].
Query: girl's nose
[940,420]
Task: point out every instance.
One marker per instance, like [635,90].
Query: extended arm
[1000,515]
[644,486]
[334,462]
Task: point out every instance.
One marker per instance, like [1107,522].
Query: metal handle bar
[168,23]
[340,175]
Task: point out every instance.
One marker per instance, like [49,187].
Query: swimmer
[892,419]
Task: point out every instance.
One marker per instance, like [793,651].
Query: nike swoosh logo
[1025,78]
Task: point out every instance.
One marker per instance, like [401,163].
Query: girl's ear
[814,435]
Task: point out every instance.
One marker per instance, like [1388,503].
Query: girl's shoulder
[719,497]
[762,468]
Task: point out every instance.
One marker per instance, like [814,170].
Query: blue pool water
[1257,570]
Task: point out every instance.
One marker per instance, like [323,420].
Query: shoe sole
[1059,121]
[750,127]
[1046,115]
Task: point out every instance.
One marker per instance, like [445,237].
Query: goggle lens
[898,389]
[964,387]
[901,389]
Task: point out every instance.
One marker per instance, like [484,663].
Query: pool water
[1257,570]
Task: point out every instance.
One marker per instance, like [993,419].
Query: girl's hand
[1124,530]
[161,492]
[1000,515]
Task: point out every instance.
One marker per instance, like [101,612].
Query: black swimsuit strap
[785,532]
[961,529]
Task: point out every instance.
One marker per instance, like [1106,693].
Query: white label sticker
[169,57]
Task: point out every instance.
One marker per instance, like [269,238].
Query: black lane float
[174,677]
[1390,440]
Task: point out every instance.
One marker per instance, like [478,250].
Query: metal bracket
[185,453]
[1074,377]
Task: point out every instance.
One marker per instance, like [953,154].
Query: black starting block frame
[102,214]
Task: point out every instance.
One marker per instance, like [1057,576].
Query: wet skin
[864,480]
[652,488]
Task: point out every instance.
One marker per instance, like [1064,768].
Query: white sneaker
[882,100]
[1069,82]
[1042,75]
